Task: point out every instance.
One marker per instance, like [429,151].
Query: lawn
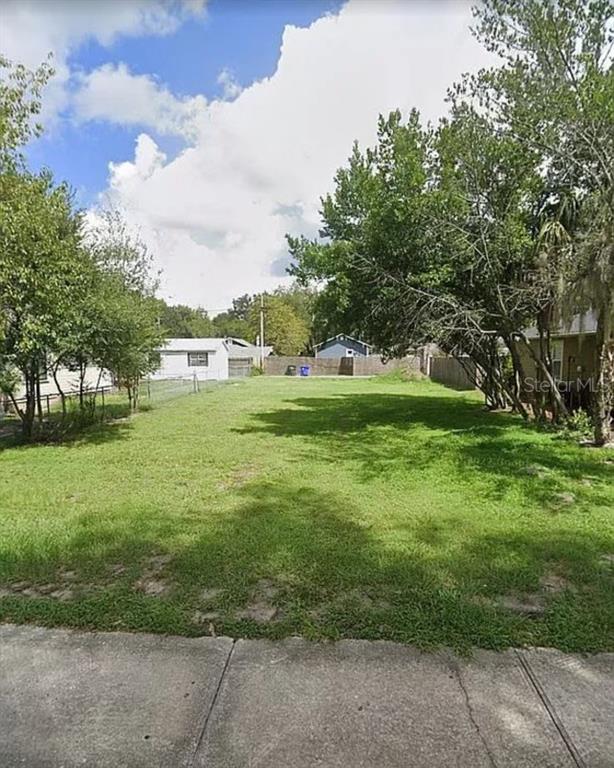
[328,508]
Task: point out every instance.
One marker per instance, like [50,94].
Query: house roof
[342,337]
[580,325]
[246,350]
[194,345]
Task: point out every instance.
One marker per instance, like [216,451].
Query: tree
[226,325]
[555,93]
[20,91]
[456,235]
[129,333]
[183,322]
[284,329]
[241,307]
[394,262]
[235,321]
[303,300]
[40,277]
[67,296]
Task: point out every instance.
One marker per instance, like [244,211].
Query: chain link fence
[162,390]
[76,410]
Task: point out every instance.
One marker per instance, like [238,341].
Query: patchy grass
[323,507]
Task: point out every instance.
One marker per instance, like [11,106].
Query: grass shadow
[333,578]
[74,428]
[387,433]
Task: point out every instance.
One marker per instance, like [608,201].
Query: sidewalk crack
[472,716]
[205,723]
[549,707]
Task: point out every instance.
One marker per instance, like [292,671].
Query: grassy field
[327,508]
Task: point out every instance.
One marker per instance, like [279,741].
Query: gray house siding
[339,348]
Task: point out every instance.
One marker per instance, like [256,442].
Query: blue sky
[215,126]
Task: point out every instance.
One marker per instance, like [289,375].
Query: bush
[401,374]
[577,426]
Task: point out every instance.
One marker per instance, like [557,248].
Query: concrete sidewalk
[95,699]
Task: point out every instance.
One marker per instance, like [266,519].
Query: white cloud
[147,159]
[216,215]
[230,87]
[31,29]
[113,93]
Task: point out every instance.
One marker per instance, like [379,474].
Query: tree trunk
[82,371]
[602,400]
[39,402]
[18,410]
[98,380]
[519,377]
[54,373]
[556,395]
[29,411]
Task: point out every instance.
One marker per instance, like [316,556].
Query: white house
[207,359]
[69,381]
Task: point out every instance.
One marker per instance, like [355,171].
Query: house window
[198,359]
[557,360]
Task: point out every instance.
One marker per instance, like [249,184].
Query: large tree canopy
[499,218]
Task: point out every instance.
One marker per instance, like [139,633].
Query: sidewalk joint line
[549,707]
[203,729]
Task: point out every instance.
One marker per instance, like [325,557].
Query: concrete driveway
[112,699]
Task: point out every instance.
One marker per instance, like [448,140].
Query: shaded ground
[327,508]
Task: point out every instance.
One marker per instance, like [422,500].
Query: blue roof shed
[342,345]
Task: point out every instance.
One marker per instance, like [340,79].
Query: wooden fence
[339,366]
[448,371]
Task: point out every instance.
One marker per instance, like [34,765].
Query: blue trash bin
[304,370]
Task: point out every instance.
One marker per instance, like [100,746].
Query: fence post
[48,408]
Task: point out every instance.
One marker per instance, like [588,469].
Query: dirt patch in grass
[151,586]
[257,611]
[239,477]
[365,600]
[68,575]
[552,583]
[209,594]
[535,470]
[527,605]
[260,607]
[351,600]
[158,562]
[535,604]
[151,582]
[37,591]
[202,617]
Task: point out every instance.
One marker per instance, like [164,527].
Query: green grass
[357,507]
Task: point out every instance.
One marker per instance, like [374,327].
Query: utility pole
[262,331]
